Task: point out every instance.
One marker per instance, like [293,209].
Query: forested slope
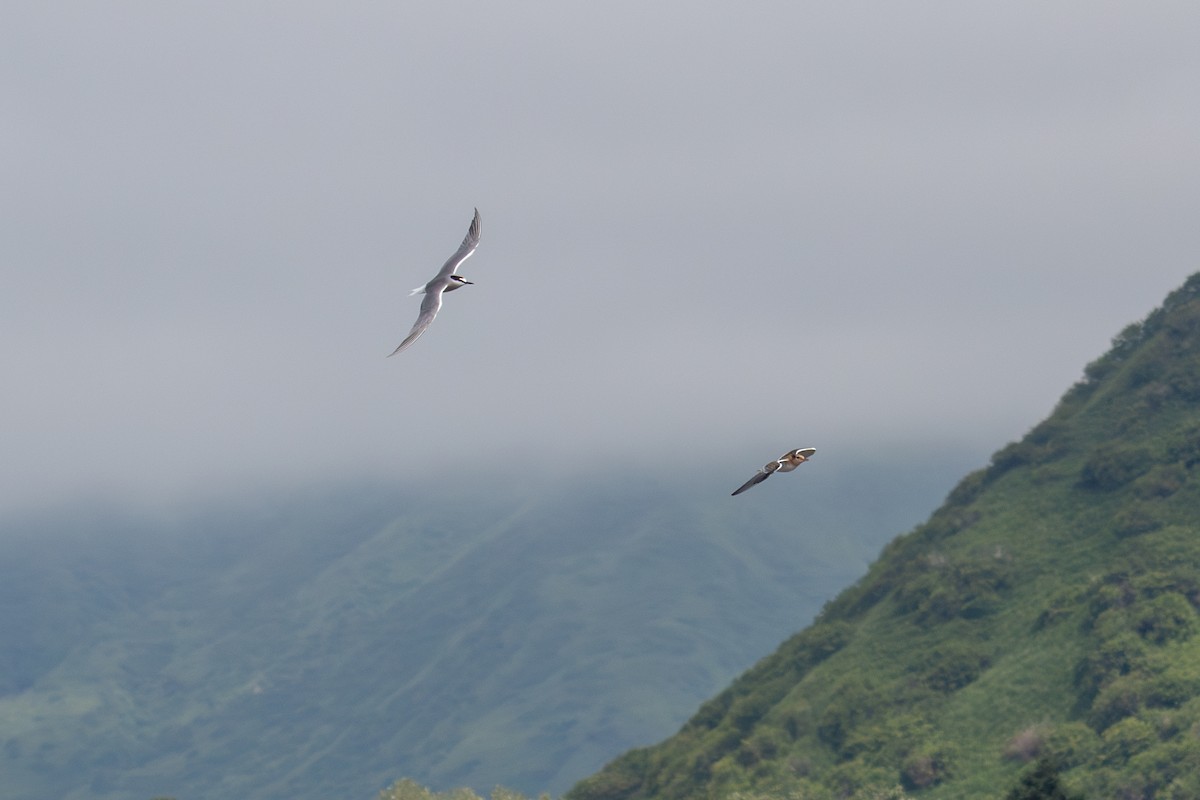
[1047,610]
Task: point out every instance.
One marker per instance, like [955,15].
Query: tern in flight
[444,281]
[785,463]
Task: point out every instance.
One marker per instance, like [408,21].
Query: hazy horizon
[707,233]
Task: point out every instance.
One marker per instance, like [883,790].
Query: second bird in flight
[785,463]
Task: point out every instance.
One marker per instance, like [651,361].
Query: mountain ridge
[1046,609]
[324,642]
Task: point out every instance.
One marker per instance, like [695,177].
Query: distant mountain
[1048,610]
[325,643]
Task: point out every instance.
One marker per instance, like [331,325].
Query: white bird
[785,463]
[444,281]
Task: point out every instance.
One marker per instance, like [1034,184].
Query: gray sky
[711,230]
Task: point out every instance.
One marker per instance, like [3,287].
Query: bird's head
[457,282]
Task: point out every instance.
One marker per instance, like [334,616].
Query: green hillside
[1047,610]
[490,630]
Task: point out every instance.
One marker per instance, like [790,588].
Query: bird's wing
[807,452]
[469,243]
[429,309]
[758,478]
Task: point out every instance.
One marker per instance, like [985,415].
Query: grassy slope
[324,647]
[1048,608]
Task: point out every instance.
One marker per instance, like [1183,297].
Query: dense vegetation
[410,790]
[323,643]
[1046,614]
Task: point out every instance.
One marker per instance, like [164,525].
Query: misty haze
[243,551]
